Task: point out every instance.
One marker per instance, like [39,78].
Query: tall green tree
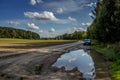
[105,27]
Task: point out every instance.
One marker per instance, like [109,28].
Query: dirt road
[35,64]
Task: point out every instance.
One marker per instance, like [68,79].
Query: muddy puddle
[79,59]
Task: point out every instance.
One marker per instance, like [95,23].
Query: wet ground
[79,59]
[35,64]
[41,64]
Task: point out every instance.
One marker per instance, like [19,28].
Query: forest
[106,25]
[77,35]
[8,32]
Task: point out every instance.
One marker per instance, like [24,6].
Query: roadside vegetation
[106,25]
[111,53]
[105,30]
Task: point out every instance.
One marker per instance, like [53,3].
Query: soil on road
[35,64]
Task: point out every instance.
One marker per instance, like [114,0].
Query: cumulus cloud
[71,19]
[32,26]
[59,10]
[86,24]
[13,23]
[73,29]
[33,2]
[46,15]
[91,4]
[52,30]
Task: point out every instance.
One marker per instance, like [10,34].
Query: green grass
[27,41]
[112,54]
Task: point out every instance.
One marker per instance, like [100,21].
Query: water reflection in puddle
[80,59]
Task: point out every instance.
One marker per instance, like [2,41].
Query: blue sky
[48,18]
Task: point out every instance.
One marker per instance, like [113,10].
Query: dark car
[86,42]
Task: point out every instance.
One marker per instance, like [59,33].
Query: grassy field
[13,45]
[27,41]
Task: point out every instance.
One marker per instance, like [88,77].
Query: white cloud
[59,10]
[52,30]
[77,29]
[81,29]
[74,28]
[41,16]
[67,5]
[71,19]
[91,4]
[33,2]
[48,16]
[13,23]
[86,24]
[39,1]
[32,26]
[83,24]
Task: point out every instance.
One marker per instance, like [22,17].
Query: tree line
[77,35]
[106,25]
[8,32]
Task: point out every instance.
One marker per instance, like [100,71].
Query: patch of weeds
[115,70]
[38,69]
[21,78]
[111,53]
